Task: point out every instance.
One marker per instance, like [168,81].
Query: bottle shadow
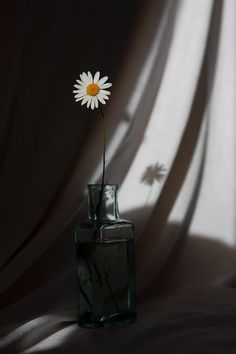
[195,260]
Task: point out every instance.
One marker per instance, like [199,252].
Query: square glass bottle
[105,262]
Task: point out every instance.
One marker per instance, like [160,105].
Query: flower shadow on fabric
[153,173]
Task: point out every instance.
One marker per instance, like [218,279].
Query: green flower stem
[103,161]
[104,145]
[107,283]
[98,212]
[85,296]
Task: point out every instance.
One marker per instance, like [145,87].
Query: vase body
[105,262]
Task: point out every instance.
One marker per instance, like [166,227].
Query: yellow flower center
[92,89]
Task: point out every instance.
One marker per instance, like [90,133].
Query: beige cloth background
[171,148]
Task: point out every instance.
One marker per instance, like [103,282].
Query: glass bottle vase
[105,262]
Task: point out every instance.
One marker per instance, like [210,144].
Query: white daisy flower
[92,90]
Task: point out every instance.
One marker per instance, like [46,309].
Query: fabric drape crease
[171,148]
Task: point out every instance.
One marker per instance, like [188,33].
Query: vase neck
[102,202]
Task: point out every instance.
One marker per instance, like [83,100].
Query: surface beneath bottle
[113,320]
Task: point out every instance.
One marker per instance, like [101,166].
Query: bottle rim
[98,185]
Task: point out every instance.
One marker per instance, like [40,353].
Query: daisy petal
[85,79]
[84,100]
[90,77]
[79,91]
[100,98]
[82,76]
[79,99]
[96,102]
[104,86]
[80,82]
[92,102]
[102,81]
[105,92]
[89,101]
[105,97]
[96,77]
[79,86]
[80,95]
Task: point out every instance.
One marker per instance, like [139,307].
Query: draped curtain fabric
[171,148]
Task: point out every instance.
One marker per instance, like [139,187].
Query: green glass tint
[105,263]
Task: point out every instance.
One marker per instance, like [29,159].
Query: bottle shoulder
[98,231]
[101,224]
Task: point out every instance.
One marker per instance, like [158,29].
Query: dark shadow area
[198,261]
[45,46]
